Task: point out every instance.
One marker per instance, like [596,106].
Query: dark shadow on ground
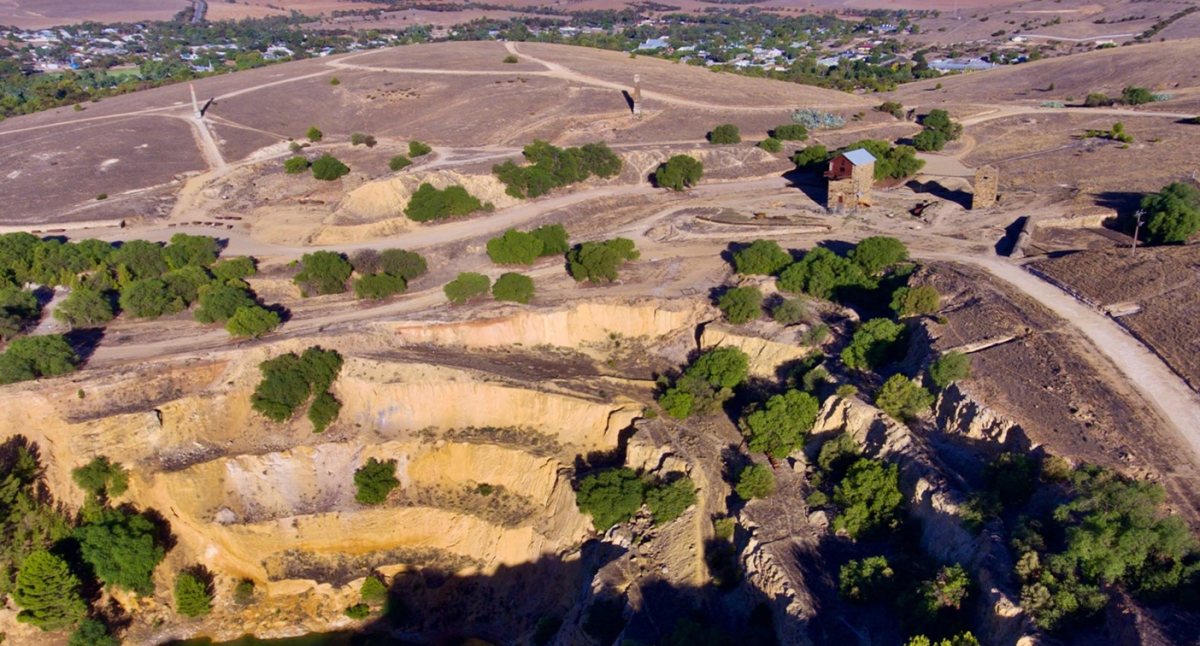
[934,188]
[1006,244]
[84,342]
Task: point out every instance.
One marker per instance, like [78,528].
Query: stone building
[851,176]
[987,183]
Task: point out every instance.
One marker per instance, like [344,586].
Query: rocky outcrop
[963,418]
[768,352]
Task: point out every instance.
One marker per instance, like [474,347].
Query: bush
[328,168]
[550,167]
[511,58]
[929,140]
[949,368]
[218,303]
[35,357]
[610,497]
[1172,214]
[790,132]
[101,478]
[334,81]
[845,391]
[323,411]
[870,498]
[140,259]
[741,304]
[295,165]
[236,268]
[84,308]
[399,162]
[121,548]
[780,426]
[771,145]
[243,592]
[514,288]
[877,253]
[252,321]
[877,343]
[92,633]
[408,265]
[811,157]
[47,593]
[939,121]
[915,301]
[554,239]
[377,286]
[945,591]
[893,108]
[761,258]
[679,172]
[313,134]
[150,298]
[428,203]
[358,611]
[323,272]
[418,149]
[903,399]
[836,456]
[706,384]
[599,261]
[1133,95]
[668,501]
[866,580]
[1097,100]
[725,134]
[374,481]
[514,248]
[755,481]
[191,251]
[19,308]
[790,311]
[821,274]
[289,380]
[192,598]
[468,285]
[361,139]
[373,590]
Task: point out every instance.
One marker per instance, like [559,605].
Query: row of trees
[614,496]
[549,167]
[290,381]
[511,287]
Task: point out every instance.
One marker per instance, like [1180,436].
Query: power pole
[1137,224]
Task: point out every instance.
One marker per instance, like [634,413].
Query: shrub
[19,308]
[84,308]
[511,58]
[323,411]
[514,288]
[599,261]
[408,265]
[121,548]
[903,399]
[668,501]
[236,268]
[34,357]
[836,456]
[949,368]
[514,248]
[101,478]
[374,481]
[706,384]
[468,285]
[218,303]
[1133,95]
[418,149]
[929,140]
[289,380]
[762,258]
[243,592]
[252,321]
[679,172]
[102,196]
[893,108]
[358,611]
[811,157]
[790,311]
[755,481]
[915,301]
[1097,100]
[313,134]
[550,167]
[296,146]
[771,145]
[47,593]
[790,132]
[92,633]
[361,139]
[946,590]
[726,133]
[192,598]
[323,272]
[140,259]
[328,168]
[295,165]
[939,121]
[845,391]
[741,304]
[961,639]
[428,203]
[821,274]
[1172,214]
[877,253]
[373,590]
[377,286]
[610,497]
[554,239]
[870,498]
[779,427]
[399,162]
[150,298]
[877,343]
[186,283]
[866,580]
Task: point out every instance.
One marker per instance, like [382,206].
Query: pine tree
[48,593]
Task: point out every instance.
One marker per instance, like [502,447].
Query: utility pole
[1137,224]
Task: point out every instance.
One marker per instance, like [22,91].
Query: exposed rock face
[960,416]
[767,356]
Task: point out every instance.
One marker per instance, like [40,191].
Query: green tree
[218,303]
[84,308]
[313,134]
[877,253]
[877,343]
[323,272]
[408,265]
[771,145]
[140,259]
[610,497]
[741,304]
[374,481]
[790,311]
[939,121]
[514,248]
[723,134]
[679,172]
[903,399]
[92,633]
[947,590]
[555,241]
[762,258]
[323,411]
[373,590]
[915,301]
[186,283]
[949,368]
[295,165]
[466,286]
[192,598]
[121,548]
[1097,100]
[150,298]
[101,478]
[236,268]
[866,580]
[47,593]
[428,203]
[961,639]
[328,168]
[755,481]
[668,501]
[869,497]
[779,427]
[418,149]
[289,380]
[358,611]
[1133,95]
[707,383]
[836,456]
[821,274]
[399,162]
[253,321]
[513,287]
[811,157]
[1172,214]
[600,261]
[191,251]
[790,132]
[377,286]
[34,357]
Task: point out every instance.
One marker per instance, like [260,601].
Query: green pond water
[314,639]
